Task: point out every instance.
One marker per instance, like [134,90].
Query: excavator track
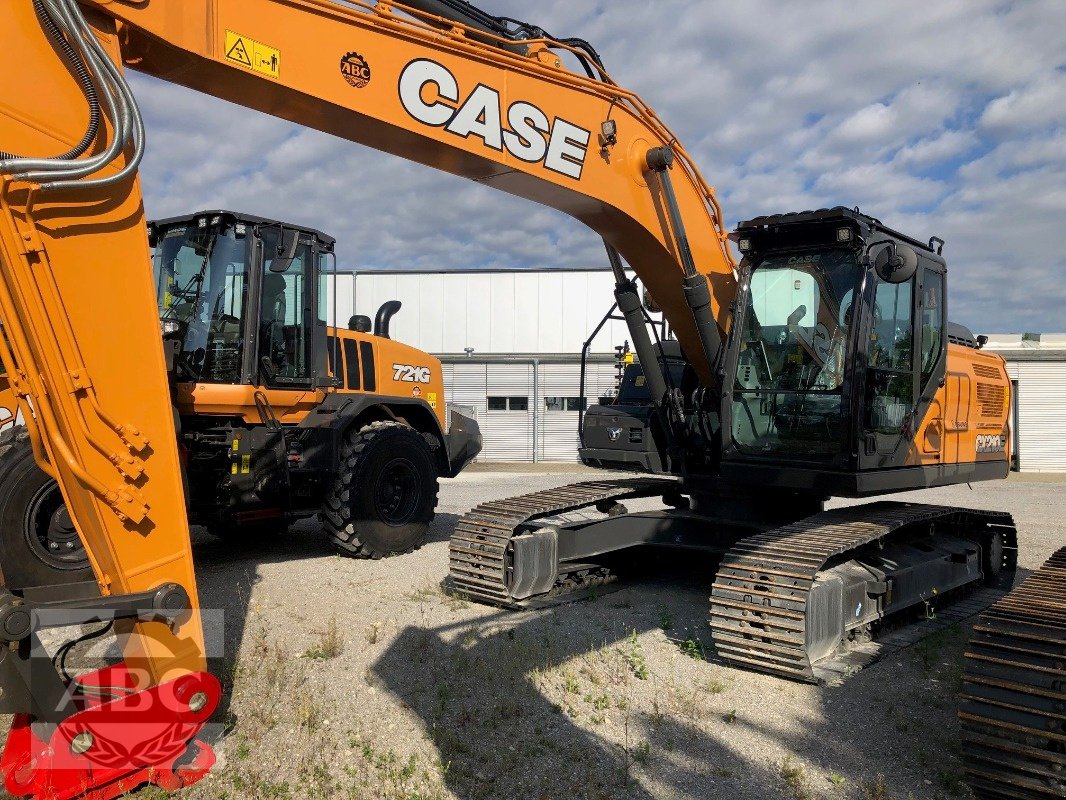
[1013,708]
[760,617]
[479,552]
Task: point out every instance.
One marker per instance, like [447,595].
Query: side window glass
[932,312]
[890,337]
[890,379]
[284,332]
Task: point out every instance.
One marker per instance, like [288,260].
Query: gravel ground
[364,680]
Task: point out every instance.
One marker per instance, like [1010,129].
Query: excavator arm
[444,85]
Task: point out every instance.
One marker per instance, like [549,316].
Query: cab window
[284,336]
[932,316]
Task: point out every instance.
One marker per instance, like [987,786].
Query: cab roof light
[844,234]
[744,245]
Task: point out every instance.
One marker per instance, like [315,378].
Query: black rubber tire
[32,515]
[385,492]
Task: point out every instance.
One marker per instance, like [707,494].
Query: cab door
[285,335]
[902,421]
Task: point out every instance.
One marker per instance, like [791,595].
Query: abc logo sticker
[355,70]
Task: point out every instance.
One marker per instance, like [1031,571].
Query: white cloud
[943,118]
[935,149]
[1034,106]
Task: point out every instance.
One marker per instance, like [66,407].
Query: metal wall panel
[492,312]
[557,438]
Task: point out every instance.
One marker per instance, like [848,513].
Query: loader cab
[243,300]
[837,348]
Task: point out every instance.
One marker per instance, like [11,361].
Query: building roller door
[507,432]
[1041,414]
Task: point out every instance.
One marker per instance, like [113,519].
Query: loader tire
[39,545]
[384,494]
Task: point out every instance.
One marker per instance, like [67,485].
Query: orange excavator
[822,364]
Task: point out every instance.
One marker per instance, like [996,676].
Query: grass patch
[950,780]
[666,619]
[715,686]
[640,753]
[692,647]
[795,777]
[330,643]
[634,655]
[876,789]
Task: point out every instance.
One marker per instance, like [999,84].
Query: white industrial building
[510,342]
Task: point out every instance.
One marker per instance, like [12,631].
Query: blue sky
[944,118]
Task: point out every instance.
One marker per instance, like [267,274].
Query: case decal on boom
[481,114]
[249,53]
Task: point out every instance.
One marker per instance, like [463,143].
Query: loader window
[202,285]
[796,331]
[285,314]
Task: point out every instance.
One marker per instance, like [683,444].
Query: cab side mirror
[283,257]
[896,263]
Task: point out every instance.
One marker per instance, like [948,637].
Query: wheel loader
[278,415]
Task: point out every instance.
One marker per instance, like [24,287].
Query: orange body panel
[968,418]
[391,379]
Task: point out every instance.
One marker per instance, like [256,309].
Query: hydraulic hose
[81,74]
[118,100]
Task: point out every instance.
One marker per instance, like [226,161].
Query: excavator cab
[837,356]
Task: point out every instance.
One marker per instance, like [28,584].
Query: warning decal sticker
[249,53]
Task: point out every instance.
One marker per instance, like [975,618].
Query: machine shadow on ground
[227,575]
[515,703]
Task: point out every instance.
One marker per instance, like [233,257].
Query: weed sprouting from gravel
[692,647]
[373,631]
[641,752]
[950,780]
[638,665]
[837,780]
[330,643]
[875,789]
[599,702]
[714,686]
[795,778]
[666,619]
